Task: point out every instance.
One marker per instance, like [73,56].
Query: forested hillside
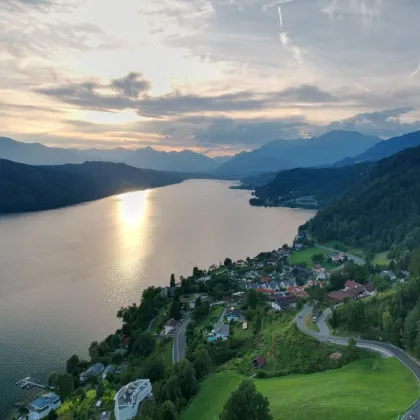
[323,184]
[31,188]
[379,213]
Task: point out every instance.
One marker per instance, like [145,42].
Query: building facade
[129,397]
[43,405]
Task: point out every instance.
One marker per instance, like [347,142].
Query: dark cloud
[131,92]
[385,123]
[307,93]
[249,133]
[131,85]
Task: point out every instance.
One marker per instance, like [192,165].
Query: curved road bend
[179,343]
[384,349]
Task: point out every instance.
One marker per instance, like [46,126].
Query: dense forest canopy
[379,213]
[31,188]
[322,183]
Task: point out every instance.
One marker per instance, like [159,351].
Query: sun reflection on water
[132,208]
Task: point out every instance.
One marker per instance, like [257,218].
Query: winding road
[179,344]
[385,349]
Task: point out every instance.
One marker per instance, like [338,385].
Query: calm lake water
[65,273]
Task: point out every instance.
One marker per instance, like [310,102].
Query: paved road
[179,344]
[385,349]
[222,315]
[150,324]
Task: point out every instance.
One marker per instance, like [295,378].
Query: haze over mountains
[287,154]
[272,156]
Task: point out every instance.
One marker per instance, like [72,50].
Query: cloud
[249,133]
[307,93]
[131,85]
[385,123]
[366,9]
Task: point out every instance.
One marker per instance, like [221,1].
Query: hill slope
[313,186]
[386,148]
[31,188]
[367,389]
[380,211]
[286,154]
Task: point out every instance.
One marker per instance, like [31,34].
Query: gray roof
[222,329]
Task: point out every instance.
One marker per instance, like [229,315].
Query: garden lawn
[305,255]
[310,324]
[381,259]
[358,252]
[369,389]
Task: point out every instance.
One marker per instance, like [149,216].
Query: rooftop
[42,402]
[128,395]
[222,329]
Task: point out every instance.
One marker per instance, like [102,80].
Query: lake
[65,273]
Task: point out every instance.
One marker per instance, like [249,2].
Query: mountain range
[287,154]
[31,188]
[384,149]
[147,158]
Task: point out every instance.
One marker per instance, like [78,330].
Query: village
[279,283]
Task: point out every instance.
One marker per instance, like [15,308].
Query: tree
[318,258]
[352,348]
[52,378]
[246,403]
[414,266]
[115,341]
[52,415]
[172,282]
[141,343]
[154,369]
[202,363]
[185,373]
[94,350]
[167,411]
[175,310]
[100,390]
[227,262]
[148,408]
[251,299]
[65,385]
[72,363]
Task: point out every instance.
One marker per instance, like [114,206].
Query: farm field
[367,389]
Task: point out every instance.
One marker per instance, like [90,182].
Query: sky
[215,76]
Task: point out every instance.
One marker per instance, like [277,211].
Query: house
[94,370]
[338,296]
[404,273]
[259,362]
[337,257]
[43,405]
[389,274]
[317,268]
[203,279]
[221,331]
[109,370]
[264,290]
[302,270]
[240,263]
[170,326]
[265,279]
[273,285]
[322,276]
[233,314]
[226,299]
[283,303]
[129,397]
[298,247]
[245,325]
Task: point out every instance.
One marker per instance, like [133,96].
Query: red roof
[270,291]
[126,342]
[352,284]
[226,298]
[301,293]
[317,267]
[260,361]
[265,279]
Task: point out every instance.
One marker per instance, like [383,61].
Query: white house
[128,398]
[43,405]
[221,331]
[170,325]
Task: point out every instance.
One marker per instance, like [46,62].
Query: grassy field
[309,324]
[368,389]
[306,255]
[381,259]
[358,252]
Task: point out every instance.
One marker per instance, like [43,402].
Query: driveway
[179,344]
[385,349]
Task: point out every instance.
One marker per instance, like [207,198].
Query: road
[385,349]
[150,324]
[179,344]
